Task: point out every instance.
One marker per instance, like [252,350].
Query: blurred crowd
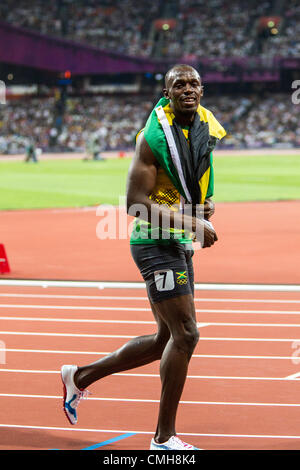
[114,120]
[217,28]
[257,121]
[287,43]
[21,120]
[122,27]
[250,122]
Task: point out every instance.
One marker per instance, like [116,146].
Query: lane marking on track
[77,335]
[145,400]
[140,285]
[256,312]
[74,307]
[128,374]
[85,335]
[86,320]
[79,320]
[289,325]
[109,297]
[109,441]
[101,353]
[142,309]
[142,322]
[293,376]
[121,431]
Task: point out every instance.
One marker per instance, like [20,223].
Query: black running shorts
[167,269]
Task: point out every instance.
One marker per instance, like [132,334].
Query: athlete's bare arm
[141,182]
[142,175]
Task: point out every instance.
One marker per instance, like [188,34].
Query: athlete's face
[184,90]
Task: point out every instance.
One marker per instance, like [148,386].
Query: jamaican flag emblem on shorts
[181,277]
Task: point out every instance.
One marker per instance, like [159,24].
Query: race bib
[164,280]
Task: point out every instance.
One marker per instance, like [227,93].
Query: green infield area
[75,183]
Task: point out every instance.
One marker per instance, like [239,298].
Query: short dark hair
[178,67]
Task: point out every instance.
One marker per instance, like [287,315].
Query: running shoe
[174,443]
[72,394]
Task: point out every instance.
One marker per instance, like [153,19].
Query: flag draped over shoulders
[194,146]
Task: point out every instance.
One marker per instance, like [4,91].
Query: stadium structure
[78,79]
[76,69]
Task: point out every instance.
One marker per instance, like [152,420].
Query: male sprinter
[171,170]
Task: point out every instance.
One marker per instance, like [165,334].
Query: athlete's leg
[179,314]
[135,353]
[168,273]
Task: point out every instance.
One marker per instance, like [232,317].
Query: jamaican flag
[185,154]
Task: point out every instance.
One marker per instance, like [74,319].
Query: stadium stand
[242,52]
[286,43]
[110,25]
[177,28]
[246,119]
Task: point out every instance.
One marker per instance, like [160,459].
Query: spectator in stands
[219,28]
[245,118]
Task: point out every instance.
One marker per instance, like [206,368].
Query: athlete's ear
[166,93]
[202,90]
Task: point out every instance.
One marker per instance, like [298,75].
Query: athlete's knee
[187,337]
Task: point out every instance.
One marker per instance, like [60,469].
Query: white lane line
[293,325]
[128,374]
[121,431]
[142,309]
[74,307]
[77,335]
[293,376]
[263,312]
[101,353]
[54,351]
[77,297]
[140,285]
[289,325]
[246,312]
[110,297]
[146,400]
[86,320]
[85,335]
[141,322]
[79,320]
[31,371]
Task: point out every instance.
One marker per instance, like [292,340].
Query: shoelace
[179,443]
[83,394]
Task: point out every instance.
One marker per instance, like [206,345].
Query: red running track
[258,243]
[241,392]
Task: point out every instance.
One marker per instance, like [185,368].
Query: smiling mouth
[189,100]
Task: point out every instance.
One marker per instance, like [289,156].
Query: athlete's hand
[204,233]
[210,236]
